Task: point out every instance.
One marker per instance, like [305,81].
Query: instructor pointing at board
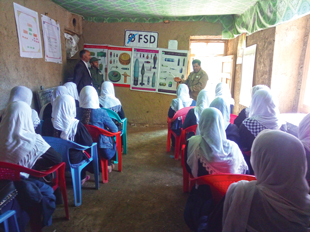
[196,80]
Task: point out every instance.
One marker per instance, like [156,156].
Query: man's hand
[177,79]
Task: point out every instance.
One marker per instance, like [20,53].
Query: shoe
[85,179]
[111,167]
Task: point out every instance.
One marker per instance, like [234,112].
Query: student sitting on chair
[72,91]
[222,90]
[91,114]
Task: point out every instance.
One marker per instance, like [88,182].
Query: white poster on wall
[28,30]
[52,42]
[144,69]
[172,63]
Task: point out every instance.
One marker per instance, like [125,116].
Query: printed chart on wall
[52,42]
[119,67]
[173,63]
[99,51]
[144,69]
[27,22]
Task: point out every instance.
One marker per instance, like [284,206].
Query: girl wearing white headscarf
[90,113]
[108,100]
[72,91]
[245,112]
[304,136]
[231,130]
[222,90]
[209,153]
[46,110]
[278,200]
[22,93]
[63,124]
[193,115]
[183,100]
[19,144]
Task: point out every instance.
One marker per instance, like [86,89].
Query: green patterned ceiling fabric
[265,14]
[236,16]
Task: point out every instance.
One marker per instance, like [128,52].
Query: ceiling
[144,10]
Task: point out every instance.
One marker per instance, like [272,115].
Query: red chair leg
[63,189]
[104,169]
[119,154]
[168,140]
[177,147]
[185,180]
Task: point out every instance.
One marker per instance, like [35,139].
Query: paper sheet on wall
[173,63]
[28,30]
[99,51]
[52,42]
[144,68]
[119,66]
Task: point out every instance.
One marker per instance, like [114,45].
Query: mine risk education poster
[28,30]
[52,42]
[173,63]
[119,65]
[144,68]
[141,39]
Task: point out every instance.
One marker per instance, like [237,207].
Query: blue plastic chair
[115,116]
[62,146]
[4,218]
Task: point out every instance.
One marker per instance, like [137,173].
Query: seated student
[304,136]
[19,144]
[222,90]
[183,100]
[72,91]
[108,100]
[46,110]
[63,124]
[245,112]
[278,200]
[193,115]
[22,93]
[91,114]
[232,131]
[209,153]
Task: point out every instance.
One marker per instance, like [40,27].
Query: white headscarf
[212,149]
[107,97]
[19,144]
[222,90]
[280,193]
[72,90]
[89,98]
[304,131]
[63,117]
[202,103]
[22,93]
[183,99]
[254,89]
[220,104]
[264,109]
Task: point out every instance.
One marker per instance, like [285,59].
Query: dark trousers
[47,160]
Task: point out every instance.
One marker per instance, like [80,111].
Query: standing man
[196,80]
[96,74]
[82,76]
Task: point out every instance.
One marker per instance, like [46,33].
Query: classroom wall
[26,71]
[142,107]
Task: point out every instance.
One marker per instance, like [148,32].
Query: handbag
[7,192]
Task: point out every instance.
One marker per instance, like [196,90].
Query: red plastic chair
[180,113]
[232,118]
[95,132]
[219,183]
[184,132]
[9,171]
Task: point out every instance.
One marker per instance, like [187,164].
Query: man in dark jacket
[82,76]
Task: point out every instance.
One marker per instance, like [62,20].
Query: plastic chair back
[180,113]
[9,171]
[62,146]
[219,183]
[4,218]
[116,117]
[95,132]
[185,131]
[232,118]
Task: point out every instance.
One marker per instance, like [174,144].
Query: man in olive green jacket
[96,74]
[196,80]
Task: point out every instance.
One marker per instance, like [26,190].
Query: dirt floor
[146,196]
